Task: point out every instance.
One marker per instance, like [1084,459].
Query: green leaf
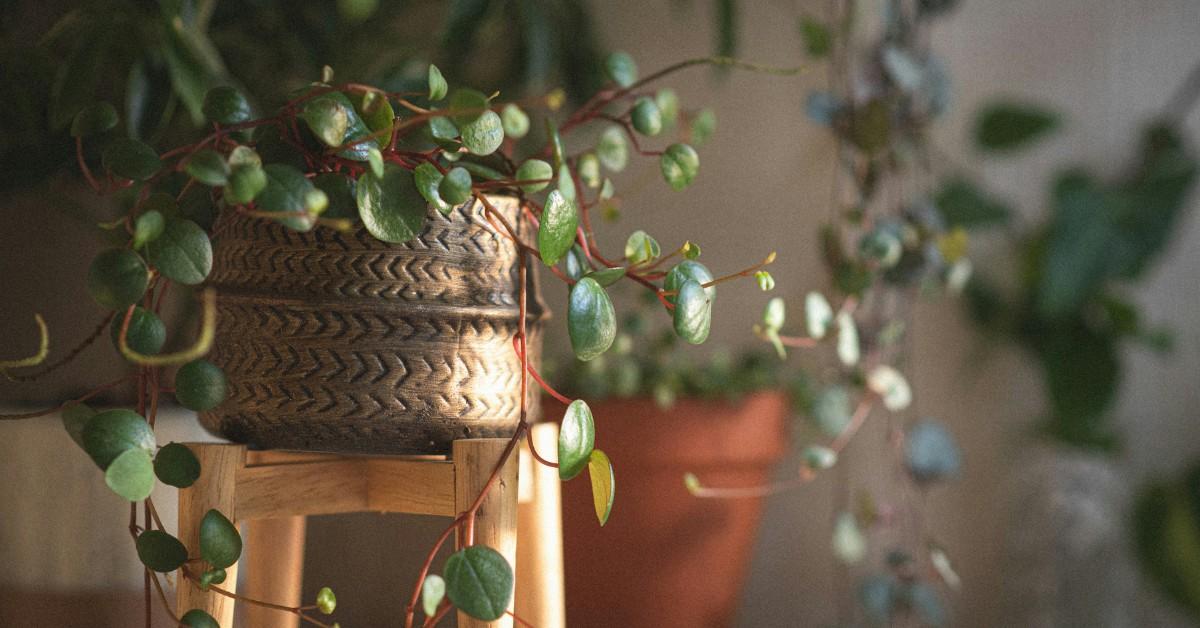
[200,385]
[612,149]
[668,105]
[962,204]
[766,282]
[437,83]
[148,227]
[484,135]
[576,438]
[177,466]
[339,189]
[606,276]
[1168,542]
[693,312]
[871,125]
[220,543]
[197,618]
[131,475]
[391,206]
[685,270]
[75,417]
[444,132]
[226,105]
[703,126]
[817,38]
[211,577]
[183,253]
[479,582]
[774,314]
[679,164]
[516,121]
[131,159]
[818,457]
[604,484]
[621,69]
[591,320]
[160,551]
[830,410]
[377,114]
[375,161]
[245,183]
[94,119]
[641,248]
[288,192]
[326,601]
[146,334]
[557,150]
[646,117]
[113,432]
[328,119]
[432,592]
[208,167]
[427,179]
[1004,126]
[534,170]
[589,170]
[556,232]
[455,187]
[468,105]
[192,64]
[117,278]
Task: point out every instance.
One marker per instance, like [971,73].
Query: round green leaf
[830,410]
[211,577]
[375,160]
[437,83]
[703,126]
[131,475]
[576,438]
[131,159]
[479,582]
[516,121]
[679,164]
[226,105]
[160,551]
[245,183]
[647,119]
[535,170]
[376,112]
[483,135]
[146,333]
[668,105]
[391,206]
[339,190]
[641,248]
[117,278]
[591,320]
[94,119]
[455,187]
[427,179]
[589,170]
[444,131]
[556,232]
[326,601]
[766,282]
[200,385]
[604,484]
[613,149]
[75,417]
[113,432]
[197,618]
[621,69]
[177,466]
[688,269]
[693,312]
[467,105]
[818,457]
[147,227]
[1006,126]
[432,592]
[183,253]
[328,119]
[220,543]
[208,167]
[288,192]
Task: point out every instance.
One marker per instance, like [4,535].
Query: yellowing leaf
[603,484]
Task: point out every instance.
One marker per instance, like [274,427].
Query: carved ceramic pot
[339,342]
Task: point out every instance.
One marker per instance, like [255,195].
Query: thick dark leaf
[591,320]
[1009,125]
[1079,246]
[117,278]
[200,385]
[226,105]
[197,618]
[963,204]
[479,582]
[146,334]
[131,159]
[576,438]
[220,543]
[75,417]
[693,312]
[183,253]
[288,192]
[176,465]
[93,120]
[160,551]
[556,232]
[113,432]
[391,206]
[688,269]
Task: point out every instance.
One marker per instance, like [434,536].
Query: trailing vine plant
[886,244]
[346,156]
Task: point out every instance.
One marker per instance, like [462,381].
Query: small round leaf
[455,187]
[208,167]
[641,248]
[176,465]
[576,439]
[220,543]
[197,618]
[556,233]
[211,577]
[75,417]
[146,333]
[613,149]
[117,278]
[703,126]
[113,432]
[245,183]
[226,105]
[535,170]
[148,227]
[391,206]
[131,159]
[131,475]
[94,119]
[688,269]
[591,320]
[818,315]
[328,119]
[160,551]
[326,601]
[693,312]
[437,83]
[647,119]
[427,179]
[432,592]
[200,385]
[589,170]
[930,452]
[621,68]
[483,135]
[183,253]
[479,582]
[288,192]
[668,105]
[679,164]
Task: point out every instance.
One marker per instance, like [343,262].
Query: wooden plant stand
[274,490]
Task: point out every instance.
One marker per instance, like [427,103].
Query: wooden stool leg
[540,596]
[496,519]
[274,569]
[216,488]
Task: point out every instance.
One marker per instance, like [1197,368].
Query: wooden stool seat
[275,490]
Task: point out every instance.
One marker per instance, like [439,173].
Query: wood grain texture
[540,596]
[496,519]
[273,570]
[215,489]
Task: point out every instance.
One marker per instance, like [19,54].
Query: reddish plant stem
[83,167]
[89,395]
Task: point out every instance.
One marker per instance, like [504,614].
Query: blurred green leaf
[963,204]
[1004,126]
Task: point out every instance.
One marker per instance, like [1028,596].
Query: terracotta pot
[339,342]
[666,558]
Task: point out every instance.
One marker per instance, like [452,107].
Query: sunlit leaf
[576,438]
[600,471]
[479,582]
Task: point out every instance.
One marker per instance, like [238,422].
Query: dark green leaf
[160,551]
[183,253]
[1167,535]
[245,183]
[479,582]
[131,475]
[326,601]
[377,113]
[688,269]
[646,117]
[962,204]
[817,38]
[566,184]
[131,159]
[621,69]
[211,577]
[148,227]
[339,189]
[455,187]
[288,192]
[327,110]
[604,484]
[117,278]
[1079,245]
[606,276]
[1006,125]
[220,543]
[871,125]
[535,170]
[226,105]
[437,83]
[693,312]
[1082,372]
[197,618]
[427,179]
[391,206]
[444,132]
[556,232]
[516,121]
[468,105]
[94,120]
[591,320]
[612,149]
[113,432]
[146,334]
[679,164]
[200,385]
[576,438]
[557,150]
[75,417]
[177,466]
[208,167]
[192,63]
